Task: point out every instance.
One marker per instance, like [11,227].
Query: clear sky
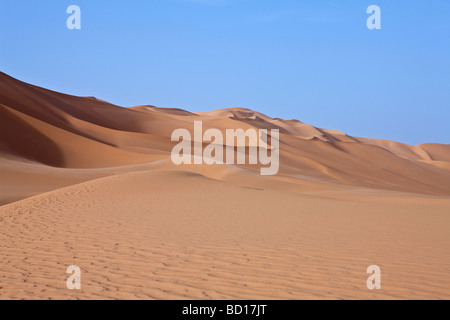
[315,61]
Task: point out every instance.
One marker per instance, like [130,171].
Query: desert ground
[84,182]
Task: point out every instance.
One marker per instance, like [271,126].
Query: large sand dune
[84,182]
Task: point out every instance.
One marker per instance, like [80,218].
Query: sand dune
[84,182]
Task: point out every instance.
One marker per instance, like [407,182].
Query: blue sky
[313,60]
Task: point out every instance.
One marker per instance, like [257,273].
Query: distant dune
[84,182]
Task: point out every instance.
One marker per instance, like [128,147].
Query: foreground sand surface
[86,183]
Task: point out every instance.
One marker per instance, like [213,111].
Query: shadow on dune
[20,139]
